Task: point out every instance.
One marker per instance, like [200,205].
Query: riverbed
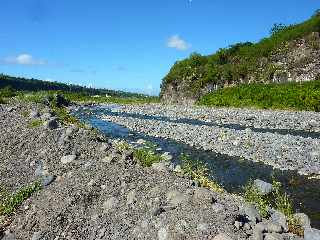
[235,149]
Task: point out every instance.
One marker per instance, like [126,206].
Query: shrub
[7,92]
[147,156]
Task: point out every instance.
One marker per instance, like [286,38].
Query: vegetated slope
[290,53]
[304,96]
[23,84]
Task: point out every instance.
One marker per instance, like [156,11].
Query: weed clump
[10,202]
[199,172]
[35,124]
[277,199]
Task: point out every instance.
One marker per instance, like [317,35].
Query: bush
[7,92]
[147,156]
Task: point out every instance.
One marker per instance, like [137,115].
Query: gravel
[91,198]
[286,152]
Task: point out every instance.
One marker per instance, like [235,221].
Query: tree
[278,27]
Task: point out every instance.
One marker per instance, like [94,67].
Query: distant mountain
[24,84]
[290,53]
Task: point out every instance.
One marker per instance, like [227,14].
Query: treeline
[24,84]
[238,62]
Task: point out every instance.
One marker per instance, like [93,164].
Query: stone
[160,166]
[141,141]
[167,156]
[222,236]
[202,227]
[34,114]
[218,207]
[46,116]
[110,158]
[251,213]
[104,147]
[274,227]
[311,234]
[238,225]
[162,234]
[110,204]
[52,124]
[47,180]
[303,219]
[273,236]
[202,195]
[257,235]
[8,235]
[280,218]
[263,187]
[131,197]
[175,198]
[37,235]
[68,159]
[178,169]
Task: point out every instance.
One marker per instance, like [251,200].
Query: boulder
[52,124]
[263,187]
[311,234]
[251,213]
[280,218]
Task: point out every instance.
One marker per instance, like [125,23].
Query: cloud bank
[24,59]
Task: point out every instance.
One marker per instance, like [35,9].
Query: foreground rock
[86,197]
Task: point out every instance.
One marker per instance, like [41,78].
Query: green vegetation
[237,63]
[10,202]
[198,171]
[277,199]
[304,96]
[24,84]
[147,156]
[6,92]
[35,124]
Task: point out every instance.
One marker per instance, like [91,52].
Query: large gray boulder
[311,234]
[263,187]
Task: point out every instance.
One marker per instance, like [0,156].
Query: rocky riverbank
[282,151]
[92,190]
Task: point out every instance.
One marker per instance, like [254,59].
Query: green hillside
[242,61]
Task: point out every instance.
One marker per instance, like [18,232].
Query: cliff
[289,54]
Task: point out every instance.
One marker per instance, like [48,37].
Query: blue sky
[128,45]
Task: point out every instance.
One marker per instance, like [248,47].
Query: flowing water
[230,172]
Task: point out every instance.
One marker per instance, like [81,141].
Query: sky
[128,45]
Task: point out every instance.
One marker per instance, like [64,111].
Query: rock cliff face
[296,60]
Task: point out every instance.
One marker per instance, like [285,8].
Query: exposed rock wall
[295,61]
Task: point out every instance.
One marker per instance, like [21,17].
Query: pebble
[68,159]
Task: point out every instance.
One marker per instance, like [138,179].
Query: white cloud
[178,43]
[24,59]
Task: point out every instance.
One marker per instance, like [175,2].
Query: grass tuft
[147,156]
[35,124]
[10,202]
[198,171]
